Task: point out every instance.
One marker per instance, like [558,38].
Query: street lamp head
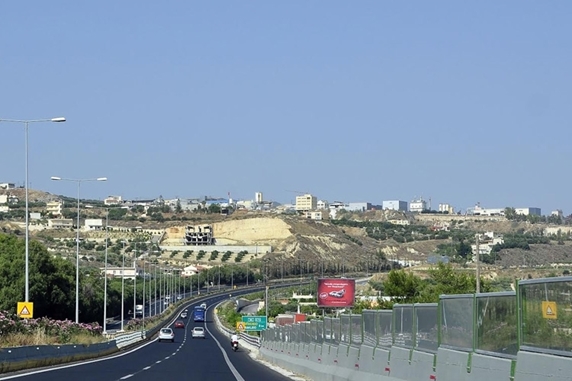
[55,178]
[58,120]
[101,179]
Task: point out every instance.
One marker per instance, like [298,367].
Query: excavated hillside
[291,238]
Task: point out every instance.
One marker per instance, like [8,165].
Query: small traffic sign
[254,323]
[25,310]
[549,310]
[240,326]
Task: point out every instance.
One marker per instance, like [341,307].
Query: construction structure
[198,235]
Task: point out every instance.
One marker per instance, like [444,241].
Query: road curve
[201,359]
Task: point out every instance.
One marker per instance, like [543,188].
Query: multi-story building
[358,206]
[258,197]
[306,203]
[93,224]
[446,208]
[314,215]
[479,211]
[113,200]
[395,205]
[322,204]
[60,223]
[117,272]
[528,211]
[54,208]
[418,205]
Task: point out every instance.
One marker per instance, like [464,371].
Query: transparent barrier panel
[546,308]
[497,316]
[403,323]
[369,327]
[426,324]
[457,313]
[356,330]
[385,328]
[345,329]
[320,331]
[336,330]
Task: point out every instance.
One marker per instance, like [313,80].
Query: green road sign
[254,323]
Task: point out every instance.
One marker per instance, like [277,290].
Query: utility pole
[477,262]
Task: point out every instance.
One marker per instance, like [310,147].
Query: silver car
[166,334]
[198,332]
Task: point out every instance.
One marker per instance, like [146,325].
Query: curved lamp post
[27,239]
[78,181]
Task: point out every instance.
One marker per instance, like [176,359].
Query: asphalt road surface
[185,359]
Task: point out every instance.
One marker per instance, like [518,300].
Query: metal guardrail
[249,339]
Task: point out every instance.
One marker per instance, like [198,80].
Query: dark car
[179,324]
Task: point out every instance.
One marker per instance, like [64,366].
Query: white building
[35,216]
[486,243]
[446,208]
[314,215]
[3,198]
[4,208]
[528,211]
[322,204]
[358,206]
[479,211]
[54,208]
[306,202]
[116,272]
[93,224]
[395,205]
[258,197]
[398,221]
[113,200]
[60,223]
[189,271]
[557,213]
[7,185]
[418,205]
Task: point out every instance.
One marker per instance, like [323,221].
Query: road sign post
[254,323]
[25,310]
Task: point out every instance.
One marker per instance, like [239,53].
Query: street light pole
[122,287]
[78,181]
[26,186]
[105,272]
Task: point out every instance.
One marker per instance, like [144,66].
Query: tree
[403,285]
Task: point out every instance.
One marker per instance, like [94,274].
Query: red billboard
[336,292]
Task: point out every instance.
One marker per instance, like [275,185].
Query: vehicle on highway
[199,314]
[179,324]
[139,310]
[184,315]
[179,297]
[204,305]
[198,332]
[166,334]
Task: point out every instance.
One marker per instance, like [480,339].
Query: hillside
[321,243]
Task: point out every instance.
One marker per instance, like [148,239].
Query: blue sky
[460,102]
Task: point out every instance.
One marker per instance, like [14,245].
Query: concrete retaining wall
[403,364]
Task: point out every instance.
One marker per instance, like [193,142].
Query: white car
[166,334]
[198,332]
[204,305]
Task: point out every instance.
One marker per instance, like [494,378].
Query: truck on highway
[139,310]
[199,314]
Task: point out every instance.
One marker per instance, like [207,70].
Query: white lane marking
[88,361]
[226,359]
[147,368]
[126,377]
[158,362]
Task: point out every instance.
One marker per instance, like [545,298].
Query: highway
[198,359]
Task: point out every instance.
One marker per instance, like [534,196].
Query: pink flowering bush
[63,330]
